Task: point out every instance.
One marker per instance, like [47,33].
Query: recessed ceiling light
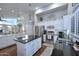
[36,8]
[12,11]
[18,18]
[0,8]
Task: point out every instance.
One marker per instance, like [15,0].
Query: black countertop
[31,38]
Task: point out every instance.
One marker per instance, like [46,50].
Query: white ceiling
[54,10]
[18,8]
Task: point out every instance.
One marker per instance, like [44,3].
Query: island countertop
[31,38]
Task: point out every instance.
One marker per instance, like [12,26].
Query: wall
[55,19]
[28,23]
[58,24]
[53,15]
[70,8]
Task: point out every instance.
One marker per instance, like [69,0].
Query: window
[75,22]
[11,21]
[73,25]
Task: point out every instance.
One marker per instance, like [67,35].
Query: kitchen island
[28,47]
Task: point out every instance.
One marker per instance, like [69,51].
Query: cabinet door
[20,49]
[29,49]
[37,44]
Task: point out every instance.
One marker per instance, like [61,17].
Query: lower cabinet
[37,45]
[29,48]
[20,49]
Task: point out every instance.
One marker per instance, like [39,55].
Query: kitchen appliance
[50,35]
[39,31]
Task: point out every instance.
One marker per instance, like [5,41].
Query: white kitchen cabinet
[29,48]
[37,44]
[6,40]
[25,49]
[20,49]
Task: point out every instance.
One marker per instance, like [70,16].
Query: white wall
[55,19]
[28,25]
[58,24]
[53,15]
[70,8]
